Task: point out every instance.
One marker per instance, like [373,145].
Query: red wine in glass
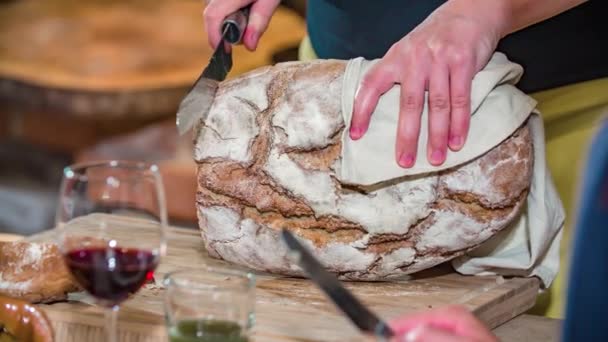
[111,275]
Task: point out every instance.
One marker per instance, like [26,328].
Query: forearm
[523,13]
[504,17]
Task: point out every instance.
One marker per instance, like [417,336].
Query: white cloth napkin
[498,109]
[530,246]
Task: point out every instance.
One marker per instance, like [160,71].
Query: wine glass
[111,220]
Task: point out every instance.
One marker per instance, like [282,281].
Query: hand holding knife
[195,106]
[198,100]
[361,316]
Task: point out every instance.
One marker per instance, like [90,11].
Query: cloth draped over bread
[530,246]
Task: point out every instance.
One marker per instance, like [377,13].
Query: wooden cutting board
[289,309]
[115,58]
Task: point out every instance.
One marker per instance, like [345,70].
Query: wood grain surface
[115,57]
[287,309]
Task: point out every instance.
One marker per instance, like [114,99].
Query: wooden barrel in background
[77,75]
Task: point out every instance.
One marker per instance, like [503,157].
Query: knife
[361,316]
[197,102]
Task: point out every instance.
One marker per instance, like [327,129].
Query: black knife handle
[234,25]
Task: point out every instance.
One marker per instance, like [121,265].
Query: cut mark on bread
[320,159]
[262,143]
[327,228]
[321,230]
[250,188]
[386,243]
[472,206]
[216,133]
[347,188]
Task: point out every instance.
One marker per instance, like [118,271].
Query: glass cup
[213,304]
[111,219]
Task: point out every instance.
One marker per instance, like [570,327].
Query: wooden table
[529,328]
[79,76]
[116,59]
[289,309]
[73,73]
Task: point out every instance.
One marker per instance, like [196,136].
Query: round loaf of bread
[34,272]
[267,156]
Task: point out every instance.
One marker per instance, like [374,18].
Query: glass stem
[111,324]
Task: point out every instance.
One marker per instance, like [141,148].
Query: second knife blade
[360,315]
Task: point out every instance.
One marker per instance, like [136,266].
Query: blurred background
[102,79]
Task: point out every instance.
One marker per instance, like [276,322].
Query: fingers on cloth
[411,104]
[461,79]
[377,81]
[439,113]
[455,321]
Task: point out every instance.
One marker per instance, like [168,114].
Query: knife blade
[360,315]
[197,102]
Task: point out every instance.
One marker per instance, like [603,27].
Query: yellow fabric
[571,114]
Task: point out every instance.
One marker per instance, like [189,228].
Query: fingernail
[406,160]
[355,133]
[253,36]
[437,157]
[455,141]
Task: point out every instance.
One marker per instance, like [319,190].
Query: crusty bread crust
[267,157]
[34,272]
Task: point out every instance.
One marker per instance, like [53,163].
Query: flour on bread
[269,143]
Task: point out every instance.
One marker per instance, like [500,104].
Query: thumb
[259,17]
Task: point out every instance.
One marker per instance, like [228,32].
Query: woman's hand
[441,55]
[448,324]
[259,17]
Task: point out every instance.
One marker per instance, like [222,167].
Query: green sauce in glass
[206,331]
